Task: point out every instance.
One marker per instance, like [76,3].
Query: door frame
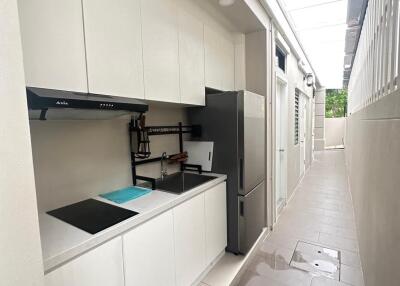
[280,80]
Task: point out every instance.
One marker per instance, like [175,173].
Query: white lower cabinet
[216,225]
[174,248]
[149,253]
[102,266]
[190,244]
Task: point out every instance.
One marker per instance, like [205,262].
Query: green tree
[336,103]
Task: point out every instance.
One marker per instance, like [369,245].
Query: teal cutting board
[126,194]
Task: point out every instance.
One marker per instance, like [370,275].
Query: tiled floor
[320,213]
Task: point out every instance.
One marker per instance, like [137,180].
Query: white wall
[373,157]
[75,160]
[295,80]
[335,129]
[20,250]
[319,127]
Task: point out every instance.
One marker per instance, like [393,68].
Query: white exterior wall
[268,11]
[20,250]
[295,80]
[372,142]
[335,129]
[319,127]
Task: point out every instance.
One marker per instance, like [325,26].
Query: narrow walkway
[319,214]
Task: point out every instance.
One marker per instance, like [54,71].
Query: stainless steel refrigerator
[235,121]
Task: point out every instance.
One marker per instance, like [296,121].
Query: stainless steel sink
[181,182]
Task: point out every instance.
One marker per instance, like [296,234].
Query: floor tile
[352,276]
[323,281]
[350,258]
[320,213]
[338,242]
[281,272]
[254,279]
[275,252]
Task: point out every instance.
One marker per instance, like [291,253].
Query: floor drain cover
[316,259]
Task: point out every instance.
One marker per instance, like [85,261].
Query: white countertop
[62,242]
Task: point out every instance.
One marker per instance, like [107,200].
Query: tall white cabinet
[191,59]
[149,253]
[114,47]
[102,266]
[53,44]
[219,60]
[160,50]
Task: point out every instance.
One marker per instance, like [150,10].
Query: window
[296,116]
[280,58]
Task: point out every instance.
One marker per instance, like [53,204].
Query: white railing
[375,71]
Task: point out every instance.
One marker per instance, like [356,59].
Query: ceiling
[321,28]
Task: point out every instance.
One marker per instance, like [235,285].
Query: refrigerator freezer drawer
[251,217]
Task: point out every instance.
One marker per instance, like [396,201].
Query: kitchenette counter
[62,242]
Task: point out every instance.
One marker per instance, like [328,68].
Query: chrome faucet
[163,167]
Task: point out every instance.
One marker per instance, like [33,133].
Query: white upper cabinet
[216,225]
[227,66]
[102,266]
[212,58]
[191,59]
[114,47]
[190,245]
[219,60]
[160,50]
[53,44]
[149,253]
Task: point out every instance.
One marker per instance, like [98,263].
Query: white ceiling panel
[321,28]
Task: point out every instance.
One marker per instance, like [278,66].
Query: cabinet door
[102,266]
[53,44]
[212,58]
[189,231]
[114,47]
[219,60]
[227,67]
[160,50]
[149,253]
[216,228]
[191,59]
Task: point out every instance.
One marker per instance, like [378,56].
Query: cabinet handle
[241,174]
[241,208]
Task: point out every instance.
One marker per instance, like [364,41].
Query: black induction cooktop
[92,215]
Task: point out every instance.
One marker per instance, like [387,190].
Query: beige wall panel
[75,160]
[373,156]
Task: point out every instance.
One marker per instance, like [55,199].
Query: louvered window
[296,116]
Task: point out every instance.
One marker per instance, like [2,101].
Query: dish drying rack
[139,139]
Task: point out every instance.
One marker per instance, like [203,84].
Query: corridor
[316,233]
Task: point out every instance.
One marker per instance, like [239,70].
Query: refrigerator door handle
[241,173]
[241,208]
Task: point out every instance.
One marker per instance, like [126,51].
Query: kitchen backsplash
[75,160]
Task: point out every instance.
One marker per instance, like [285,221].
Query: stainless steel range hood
[59,104]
